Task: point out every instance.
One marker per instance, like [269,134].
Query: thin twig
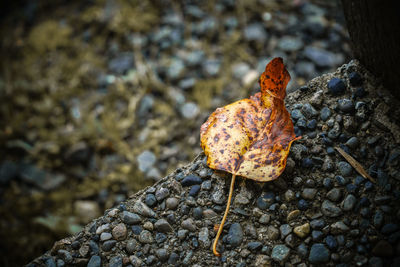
[356,165]
[221,226]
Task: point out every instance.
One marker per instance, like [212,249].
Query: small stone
[131,246]
[339,228]
[102,228]
[203,237]
[293,215]
[334,194]
[254,246]
[289,195]
[189,110]
[309,111]
[182,234]
[280,253]
[272,232]
[189,224]
[302,230]
[150,200]
[317,235]
[336,86]
[146,237]
[130,218]
[108,245]
[142,209]
[302,204]
[319,253]
[352,142]
[148,226]
[345,168]
[331,242]
[172,203]
[255,32]
[285,229]
[355,79]
[65,255]
[163,226]
[302,250]
[264,219]
[389,228]
[162,254]
[194,190]
[309,193]
[325,113]
[86,210]
[146,160]
[162,193]
[198,213]
[235,235]
[209,213]
[95,261]
[135,261]
[191,180]
[105,236]
[346,105]
[349,202]
[330,209]
[119,232]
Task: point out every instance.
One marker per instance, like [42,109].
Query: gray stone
[203,237]
[334,194]
[142,209]
[130,218]
[280,253]
[325,113]
[320,57]
[235,235]
[95,261]
[339,228]
[319,253]
[189,110]
[352,142]
[349,202]
[309,111]
[255,32]
[105,236]
[290,43]
[309,193]
[189,224]
[146,237]
[345,168]
[162,193]
[162,254]
[285,229]
[163,226]
[146,160]
[346,105]
[272,232]
[172,203]
[330,209]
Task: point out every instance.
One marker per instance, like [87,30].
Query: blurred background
[99,99]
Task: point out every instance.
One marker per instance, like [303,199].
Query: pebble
[280,253]
[95,261]
[330,209]
[191,180]
[335,194]
[346,105]
[352,142]
[272,232]
[264,219]
[302,230]
[65,255]
[102,228]
[162,254]
[150,200]
[105,236]
[302,204]
[142,209]
[194,190]
[331,242]
[293,215]
[318,253]
[172,203]
[203,237]
[190,110]
[146,160]
[119,232]
[309,111]
[235,235]
[321,57]
[309,193]
[349,202]
[146,237]
[255,32]
[325,113]
[285,229]
[355,79]
[161,193]
[317,235]
[336,86]
[108,245]
[130,218]
[189,224]
[163,226]
[339,228]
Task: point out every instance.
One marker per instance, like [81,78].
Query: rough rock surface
[358,225]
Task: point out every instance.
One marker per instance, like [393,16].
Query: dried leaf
[251,137]
[356,165]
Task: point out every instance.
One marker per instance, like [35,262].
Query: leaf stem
[221,226]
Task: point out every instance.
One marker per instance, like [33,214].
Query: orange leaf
[251,137]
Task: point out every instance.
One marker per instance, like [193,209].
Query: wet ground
[99,99]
